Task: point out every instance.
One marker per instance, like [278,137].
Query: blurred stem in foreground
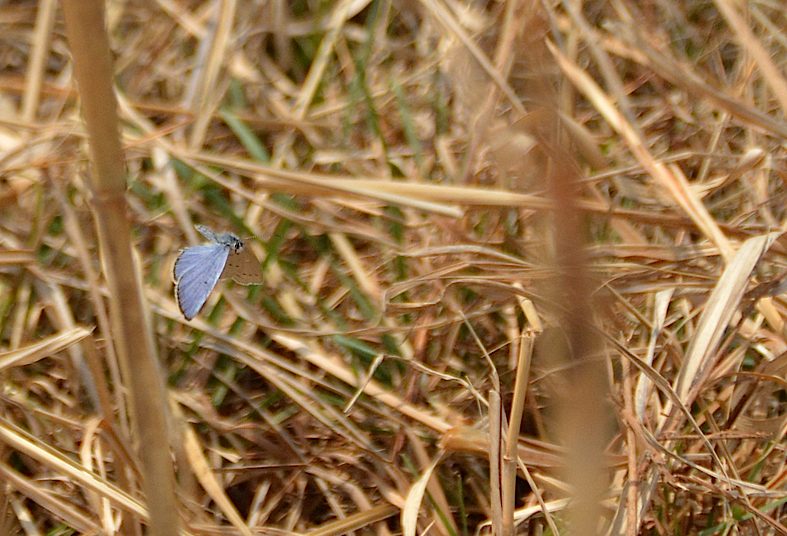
[132,337]
[583,421]
[582,415]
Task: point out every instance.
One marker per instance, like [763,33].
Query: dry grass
[524,269]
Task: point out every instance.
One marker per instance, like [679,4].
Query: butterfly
[198,269]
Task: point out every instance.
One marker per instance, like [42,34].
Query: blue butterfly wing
[197,270]
[208,233]
[193,257]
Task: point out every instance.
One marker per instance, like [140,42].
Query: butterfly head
[236,244]
[230,240]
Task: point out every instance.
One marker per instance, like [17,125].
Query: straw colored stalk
[131,332]
[581,408]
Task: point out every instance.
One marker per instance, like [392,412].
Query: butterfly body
[198,269]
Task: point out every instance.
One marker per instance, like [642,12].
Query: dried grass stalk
[131,330]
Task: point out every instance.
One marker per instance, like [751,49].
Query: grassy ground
[524,270]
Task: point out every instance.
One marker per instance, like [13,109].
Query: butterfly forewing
[243,267]
[208,233]
[197,270]
[190,258]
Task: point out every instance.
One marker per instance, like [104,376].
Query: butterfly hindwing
[243,267]
[197,270]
